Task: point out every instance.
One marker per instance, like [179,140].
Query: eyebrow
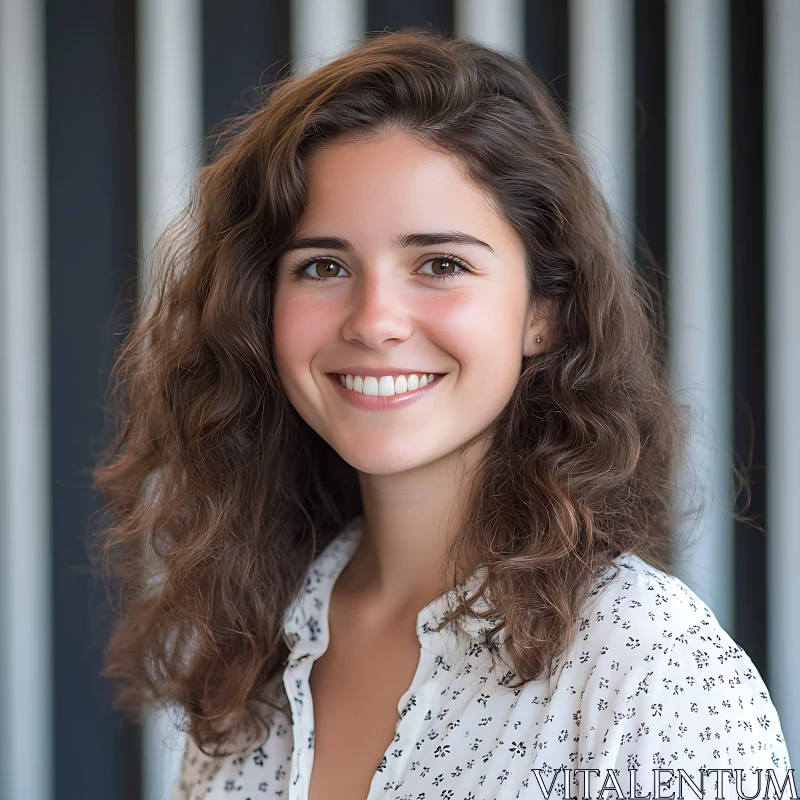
[405,240]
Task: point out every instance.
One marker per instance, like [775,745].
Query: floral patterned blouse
[651,680]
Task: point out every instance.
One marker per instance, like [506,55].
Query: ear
[540,322]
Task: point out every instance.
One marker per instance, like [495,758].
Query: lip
[379,403]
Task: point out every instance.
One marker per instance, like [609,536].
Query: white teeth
[386,386]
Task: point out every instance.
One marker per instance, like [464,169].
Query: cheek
[300,327]
[482,331]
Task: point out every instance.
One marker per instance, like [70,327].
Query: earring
[538,339]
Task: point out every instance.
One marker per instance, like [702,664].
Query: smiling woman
[389,508]
[389,305]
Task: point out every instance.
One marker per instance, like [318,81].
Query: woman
[397,439]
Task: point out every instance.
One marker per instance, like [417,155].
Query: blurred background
[689,111]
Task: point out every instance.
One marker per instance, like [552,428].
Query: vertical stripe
[91,216]
[748,345]
[396,14]
[601,96]
[244,45]
[498,23]
[699,284]
[170,103]
[547,45]
[321,31]
[26,766]
[170,134]
[782,92]
[651,144]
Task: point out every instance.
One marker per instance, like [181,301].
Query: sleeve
[702,708]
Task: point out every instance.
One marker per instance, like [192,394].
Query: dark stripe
[245,44]
[91,102]
[396,14]
[749,353]
[547,44]
[650,57]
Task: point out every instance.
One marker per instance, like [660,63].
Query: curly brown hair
[219,496]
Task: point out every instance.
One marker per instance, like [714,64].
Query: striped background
[690,112]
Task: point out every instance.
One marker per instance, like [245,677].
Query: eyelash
[299,269]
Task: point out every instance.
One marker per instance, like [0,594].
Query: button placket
[393,767]
[298,689]
[422,695]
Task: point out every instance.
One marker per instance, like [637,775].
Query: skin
[384,306]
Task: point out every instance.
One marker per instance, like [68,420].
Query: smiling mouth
[388,385]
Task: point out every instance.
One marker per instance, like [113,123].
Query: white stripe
[170,128]
[601,90]
[782,93]
[323,29]
[26,724]
[698,179]
[497,23]
[170,135]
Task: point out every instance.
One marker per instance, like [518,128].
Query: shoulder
[681,686]
[640,606]
[635,594]
[650,622]
[634,619]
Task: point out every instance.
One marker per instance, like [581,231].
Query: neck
[410,519]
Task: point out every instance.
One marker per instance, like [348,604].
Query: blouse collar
[306,618]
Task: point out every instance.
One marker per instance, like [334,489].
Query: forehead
[378,186]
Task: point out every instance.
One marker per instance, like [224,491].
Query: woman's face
[379,307]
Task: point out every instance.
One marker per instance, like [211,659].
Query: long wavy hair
[219,496]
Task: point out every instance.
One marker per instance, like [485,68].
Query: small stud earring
[538,339]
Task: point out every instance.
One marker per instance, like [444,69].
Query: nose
[379,312]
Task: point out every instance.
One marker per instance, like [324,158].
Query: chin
[385,458]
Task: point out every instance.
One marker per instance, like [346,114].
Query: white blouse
[650,681]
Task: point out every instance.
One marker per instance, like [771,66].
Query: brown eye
[326,269]
[442,266]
